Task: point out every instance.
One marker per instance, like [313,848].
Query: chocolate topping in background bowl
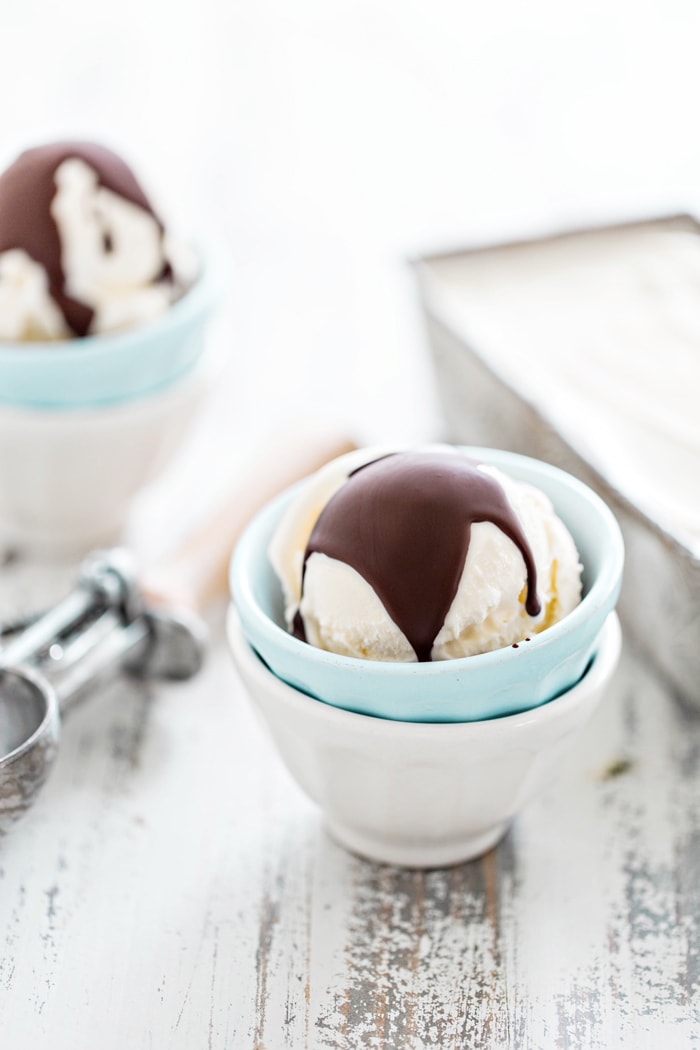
[77,211]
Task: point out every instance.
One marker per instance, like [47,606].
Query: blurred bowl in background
[67,477]
[105,369]
[85,424]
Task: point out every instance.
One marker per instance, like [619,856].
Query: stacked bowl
[85,423]
[426,764]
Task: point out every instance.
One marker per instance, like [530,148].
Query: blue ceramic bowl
[105,369]
[489,685]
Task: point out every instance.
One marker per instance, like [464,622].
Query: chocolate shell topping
[403,523]
[27,189]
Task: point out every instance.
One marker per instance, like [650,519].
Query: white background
[318,144]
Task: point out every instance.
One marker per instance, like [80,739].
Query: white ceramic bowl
[67,477]
[416,794]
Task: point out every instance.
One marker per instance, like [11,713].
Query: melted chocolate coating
[403,523]
[27,189]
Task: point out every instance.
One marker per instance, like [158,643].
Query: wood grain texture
[172,888]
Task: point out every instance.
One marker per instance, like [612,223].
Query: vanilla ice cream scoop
[422,555]
[82,250]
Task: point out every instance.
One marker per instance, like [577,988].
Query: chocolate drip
[403,523]
[27,189]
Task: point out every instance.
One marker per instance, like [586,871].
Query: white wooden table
[173,888]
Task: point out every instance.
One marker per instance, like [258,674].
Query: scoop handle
[196,574]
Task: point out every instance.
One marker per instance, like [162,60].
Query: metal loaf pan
[660,601]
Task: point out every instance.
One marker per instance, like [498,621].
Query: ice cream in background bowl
[477,616]
[103,318]
[421,758]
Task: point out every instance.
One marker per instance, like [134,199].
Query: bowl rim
[196,298]
[603,588]
[600,669]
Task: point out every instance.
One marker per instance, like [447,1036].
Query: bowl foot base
[410,855]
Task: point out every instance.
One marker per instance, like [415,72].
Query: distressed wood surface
[172,888]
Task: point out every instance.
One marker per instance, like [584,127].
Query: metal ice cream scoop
[101,628]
